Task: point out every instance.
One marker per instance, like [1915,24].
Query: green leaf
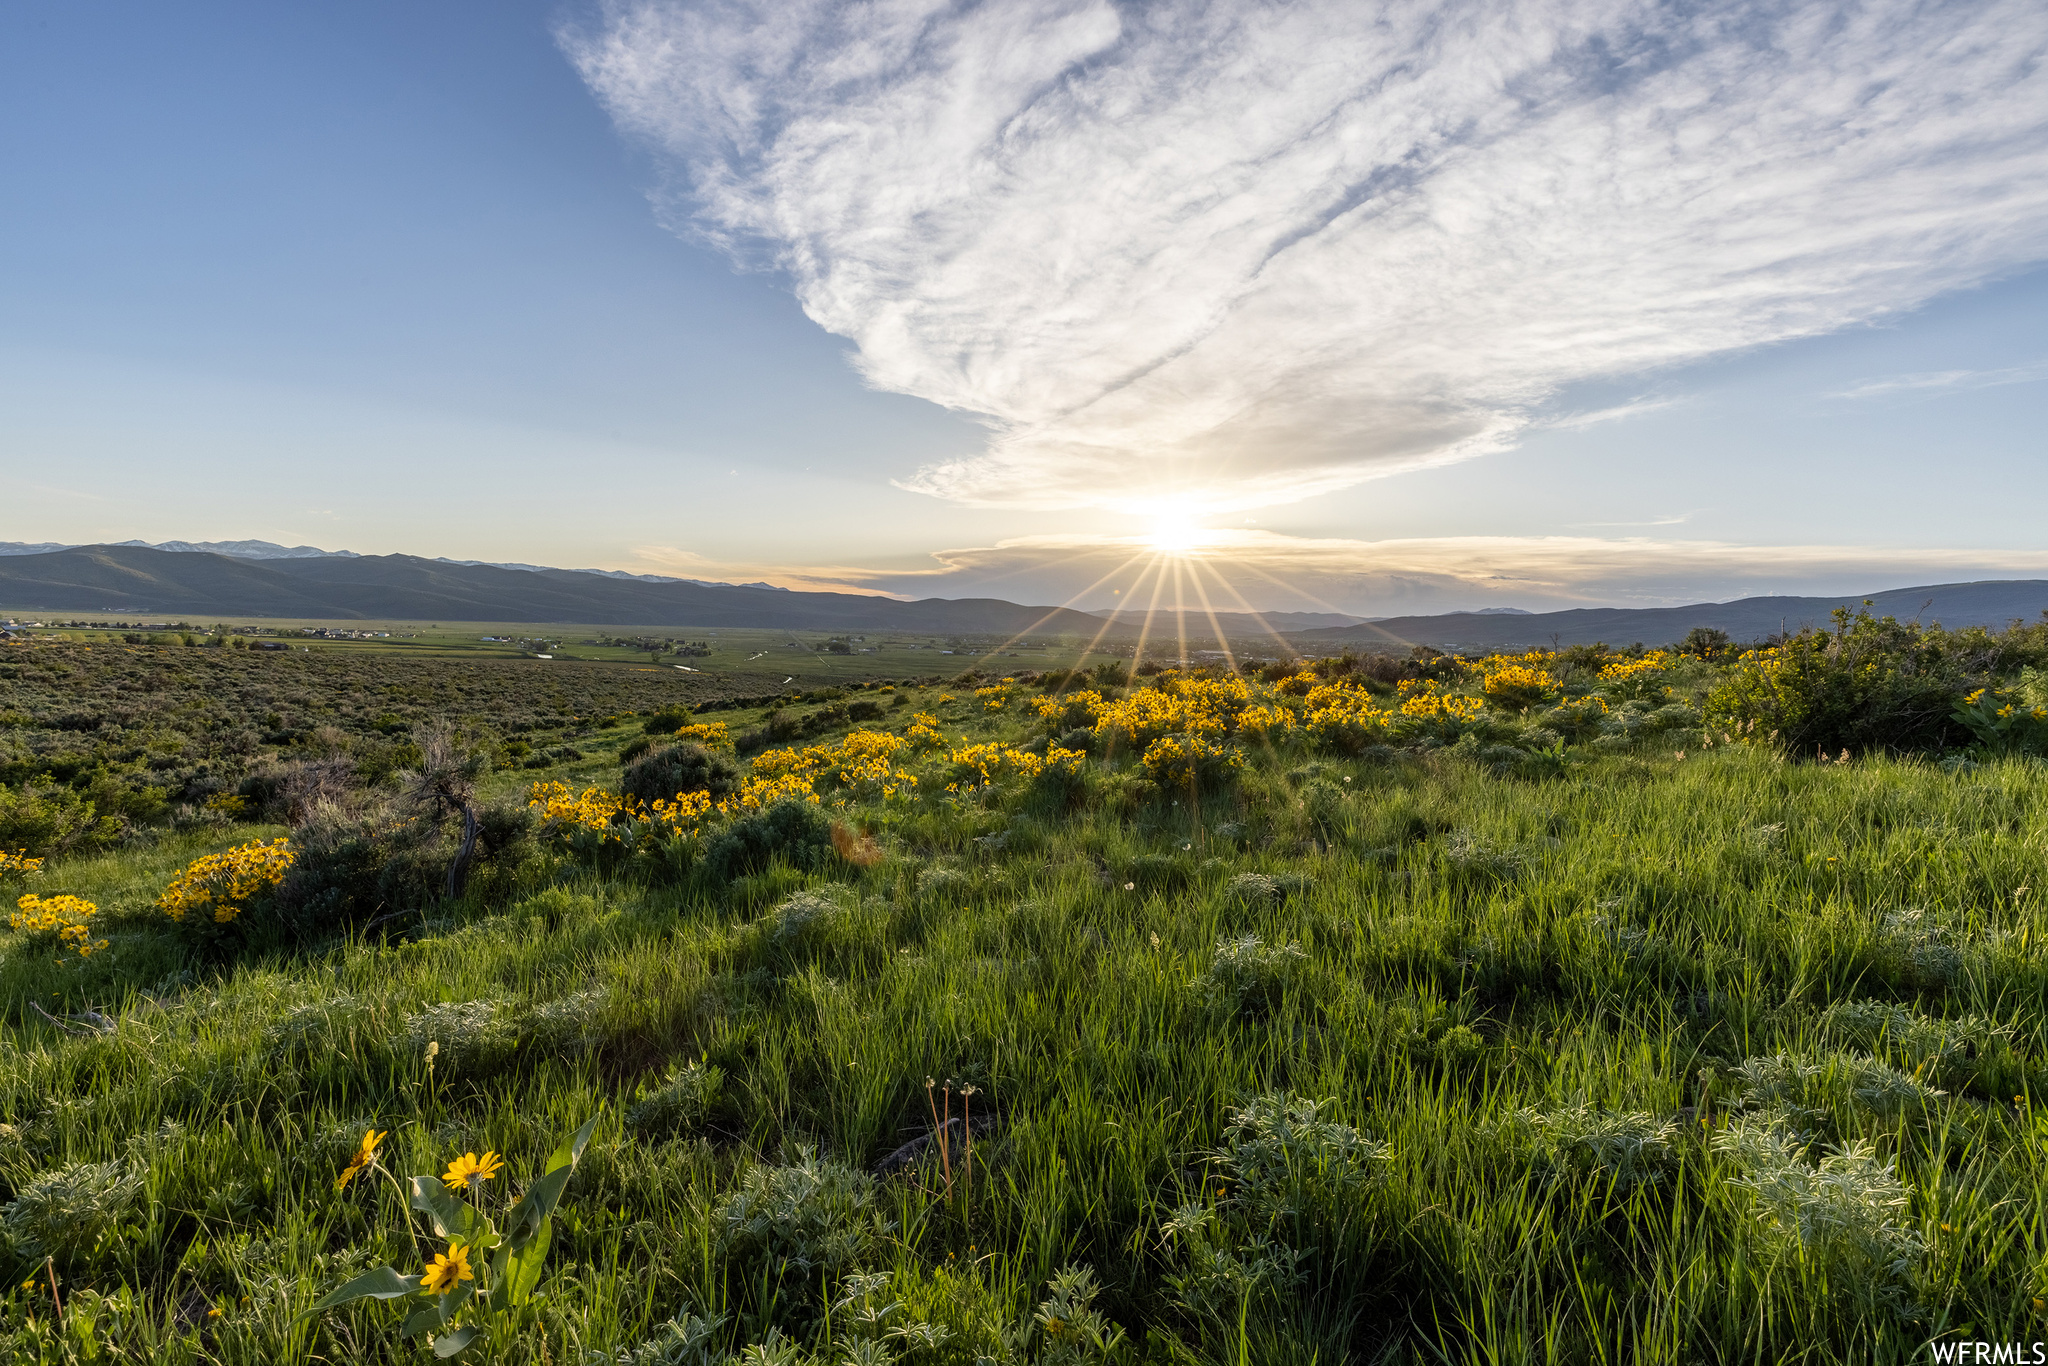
[453,1344]
[530,1215]
[453,1219]
[522,1265]
[384,1283]
[440,1309]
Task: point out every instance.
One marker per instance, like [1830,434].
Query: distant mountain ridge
[144,580]
[271,550]
[1989,602]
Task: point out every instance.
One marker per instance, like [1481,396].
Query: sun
[1175,533]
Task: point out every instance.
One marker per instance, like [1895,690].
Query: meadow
[1590,1006]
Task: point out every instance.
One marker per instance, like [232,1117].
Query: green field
[1574,1024]
[730,653]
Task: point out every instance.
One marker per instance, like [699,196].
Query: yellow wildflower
[471,1171]
[364,1156]
[448,1268]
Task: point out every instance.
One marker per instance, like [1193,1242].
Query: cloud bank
[1228,253]
[1268,571]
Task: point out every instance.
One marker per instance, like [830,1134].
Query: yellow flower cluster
[2007,708]
[993,698]
[609,817]
[225,883]
[1177,760]
[1174,706]
[863,761]
[1432,707]
[1069,709]
[681,816]
[993,762]
[18,862]
[756,793]
[1629,670]
[67,917]
[710,734]
[1517,684]
[1345,719]
[593,809]
[924,732]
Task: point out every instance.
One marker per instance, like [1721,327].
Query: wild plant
[72,1215]
[812,1215]
[484,1284]
[1845,1217]
[1247,975]
[1624,1149]
[465,1035]
[680,1105]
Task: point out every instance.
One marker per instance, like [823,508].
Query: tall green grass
[1527,1006]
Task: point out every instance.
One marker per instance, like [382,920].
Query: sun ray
[1061,608]
[1145,628]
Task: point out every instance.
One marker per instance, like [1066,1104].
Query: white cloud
[1937,380]
[1238,253]
[1273,572]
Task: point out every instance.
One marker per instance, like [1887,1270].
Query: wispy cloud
[1237,253]
[1936,380]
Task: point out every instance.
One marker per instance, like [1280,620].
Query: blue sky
[515,282]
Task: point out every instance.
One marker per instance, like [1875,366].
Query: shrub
[1868,684]
[667,773]
[680,1105]
[1248,975]
[44,821]
[794,830]
[799,1220]
[72,1214]
[352,867]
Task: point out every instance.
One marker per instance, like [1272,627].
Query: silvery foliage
[1848,1212]
[1473,857]
[1924,1041]
[799,918]
[1070,1331]
[469,1032]
[1251,889]
[314,1028]
[808,1215]
[680,1104]
[1928,949]
[1282,1162]
[66,1214]
[873,1323]
[1248,973]
[1807,1091]
[1626,1148]
[684,1340]
[572,1022]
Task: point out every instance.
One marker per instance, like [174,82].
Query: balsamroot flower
[365,1156]
[472,1171]
[448,1268]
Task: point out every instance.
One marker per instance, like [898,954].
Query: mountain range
[208,585]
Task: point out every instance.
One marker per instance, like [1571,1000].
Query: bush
[680,1105]
[664,774]
[1869,684]
[355,866]
[54,821]
[794,830]
[72,1214]
[810,1217]
[1248,975]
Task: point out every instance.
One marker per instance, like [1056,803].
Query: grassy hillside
[1322,1017]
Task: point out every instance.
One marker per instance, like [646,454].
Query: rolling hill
[408,588]
[1994,602]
